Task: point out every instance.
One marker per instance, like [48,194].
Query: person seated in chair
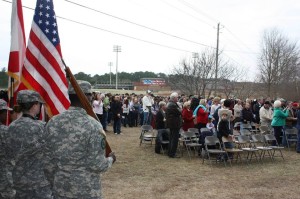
[162,132]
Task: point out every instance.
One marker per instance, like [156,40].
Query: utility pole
[117,49]
[217,57]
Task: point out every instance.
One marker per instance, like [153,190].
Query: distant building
[157,85]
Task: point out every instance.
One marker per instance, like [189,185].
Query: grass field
[140,173]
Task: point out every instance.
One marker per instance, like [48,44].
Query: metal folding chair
[270,140]
[147,134]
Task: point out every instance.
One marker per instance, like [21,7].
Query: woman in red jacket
[202,114]
[187,116]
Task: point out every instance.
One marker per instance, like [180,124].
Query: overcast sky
[89,49]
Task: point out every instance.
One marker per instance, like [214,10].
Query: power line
[198,10]
[120,34]
[237,38]
[197,18]
[140,25]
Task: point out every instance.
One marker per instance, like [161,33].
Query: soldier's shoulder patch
[103,144]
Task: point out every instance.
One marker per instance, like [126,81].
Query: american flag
[17,48]
[43,69]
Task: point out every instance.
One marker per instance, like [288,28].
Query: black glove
[113,156]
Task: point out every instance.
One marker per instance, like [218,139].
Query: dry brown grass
[140,173]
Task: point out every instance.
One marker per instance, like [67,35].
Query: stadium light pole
[195,56]
[110,65]
[117,49]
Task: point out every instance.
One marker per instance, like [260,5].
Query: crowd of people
[170,114]
[63,157]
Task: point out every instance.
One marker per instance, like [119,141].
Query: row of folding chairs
[291,135]
[258,147]
[191,140]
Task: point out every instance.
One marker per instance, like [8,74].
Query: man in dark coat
[174,123]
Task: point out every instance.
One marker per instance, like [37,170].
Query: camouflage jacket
[6,190]
[77,152]
[26,138]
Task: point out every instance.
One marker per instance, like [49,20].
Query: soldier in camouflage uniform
[77,149]
[6,190]
[26,138]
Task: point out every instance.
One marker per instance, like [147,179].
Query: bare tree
[278,61]
[194,76]
[198,76]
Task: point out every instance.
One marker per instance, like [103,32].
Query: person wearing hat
[147,102]
[6,190]
[266,114]
[26,141]
[76,150]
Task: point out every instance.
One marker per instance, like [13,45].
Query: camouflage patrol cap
[84,85]
[3,105]
[26,96]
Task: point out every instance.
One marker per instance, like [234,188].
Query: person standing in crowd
[174,123]
[136,108]
[194,102]
[109,115]
[237,110]
[290,121]
[278,121]
[256,108]
[225,108]
[201,113]
[162,132]
[116,108]
[216,113]
[26,140]
[106,107]
[215,105]
[187,116]
[147,104]
[125,112]
[266,114]
[98,106]
[246,117]
[6,190]
[76,150]
[224,130]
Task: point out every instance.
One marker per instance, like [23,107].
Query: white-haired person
[187,116]
[216,104]
[278,121]
[174,123]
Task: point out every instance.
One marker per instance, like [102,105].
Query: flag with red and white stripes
[43,69]
[17,48]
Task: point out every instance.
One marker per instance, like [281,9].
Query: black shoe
[174,156]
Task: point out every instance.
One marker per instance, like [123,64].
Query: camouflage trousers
[7,194]
[39,193]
